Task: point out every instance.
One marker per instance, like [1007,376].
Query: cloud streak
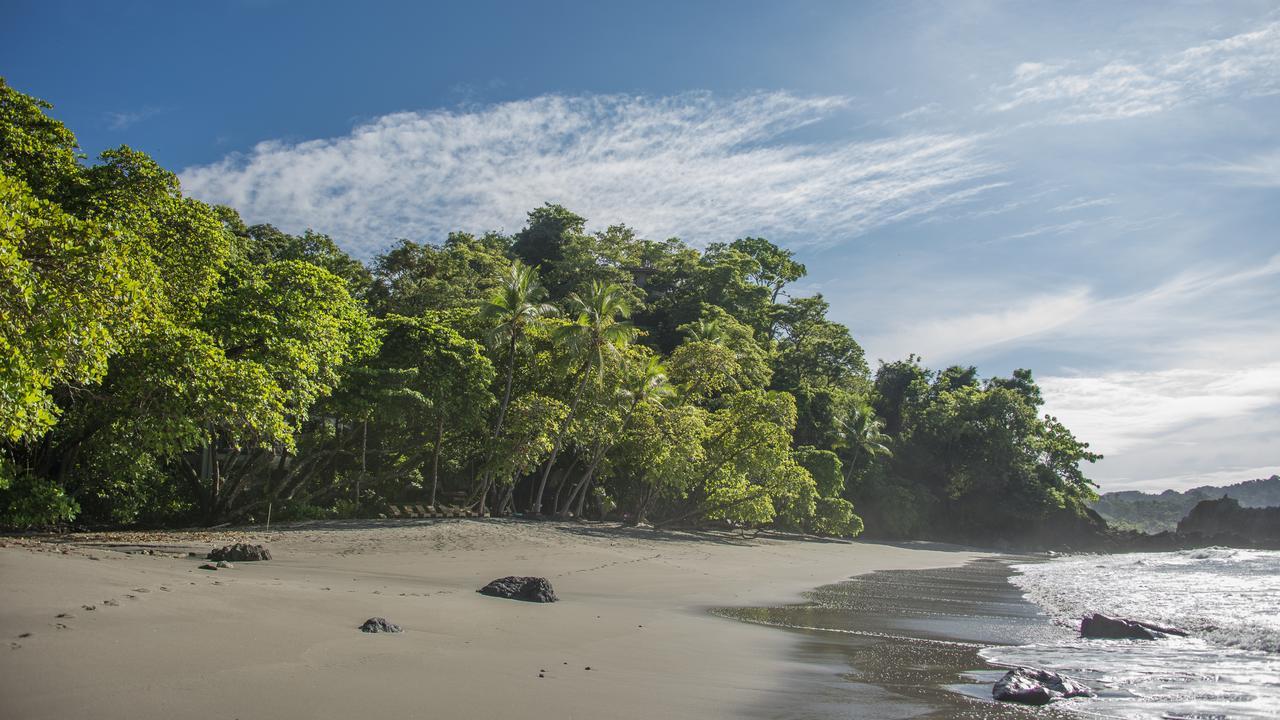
[1246,64]
[692,165]
[126,120]
[1260,171]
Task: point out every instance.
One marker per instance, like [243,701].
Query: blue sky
[1091,190]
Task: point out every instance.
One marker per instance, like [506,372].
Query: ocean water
[1228,599]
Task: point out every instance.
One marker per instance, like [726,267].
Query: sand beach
[126,625]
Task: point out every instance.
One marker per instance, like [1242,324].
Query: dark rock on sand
[241,552]
[208,566]
[1106,627]
[377,625]
[530,589]
[1030,686]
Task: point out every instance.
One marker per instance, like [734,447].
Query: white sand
[278,639]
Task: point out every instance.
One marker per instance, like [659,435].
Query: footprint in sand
[89,607]
[112,603]
[65,615]
[24,635]
[15,645]
[60,626]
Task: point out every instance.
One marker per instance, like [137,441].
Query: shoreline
[876,643]
[278,639]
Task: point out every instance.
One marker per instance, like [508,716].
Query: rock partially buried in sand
[377,625]
[529,589]
[1030,686]
[1103,626]
[241,552]
[208,566]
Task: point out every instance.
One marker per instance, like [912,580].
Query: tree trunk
[485,477]
[582,497]
[597,457]
[435,462]
[364,452]
[597,454]
[555,448]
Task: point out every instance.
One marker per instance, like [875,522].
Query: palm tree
[862,435]
[516,305]
[704,330]
[650,383]
[595,338]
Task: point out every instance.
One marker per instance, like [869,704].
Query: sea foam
[1228,599]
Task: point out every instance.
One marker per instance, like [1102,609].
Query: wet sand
[902,644]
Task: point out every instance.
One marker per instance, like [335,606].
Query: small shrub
[835,516]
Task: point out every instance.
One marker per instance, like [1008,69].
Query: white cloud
[949,339]
[1187,380]
[1116,411]
[692,165]
[1247,64]
[1210,317]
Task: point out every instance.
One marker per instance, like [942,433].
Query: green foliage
[28,500]
[824,466]
[834,516]
[527,436]
[163,361]
[35,149]
[68,301]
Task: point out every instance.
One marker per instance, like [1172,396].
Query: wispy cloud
[1209,316]
[1082,203]
[126,120]
[1261,171]
[1246,64]
[693,165]
[1055,228]
[953,338]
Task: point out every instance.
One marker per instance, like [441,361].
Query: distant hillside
[1150,513]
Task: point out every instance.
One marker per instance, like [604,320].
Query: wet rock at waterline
[1106,627]
[529,589]
[379,625]
[1030,686]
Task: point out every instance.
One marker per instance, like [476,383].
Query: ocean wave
[1226,596]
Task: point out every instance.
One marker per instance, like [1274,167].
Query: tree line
[162,362]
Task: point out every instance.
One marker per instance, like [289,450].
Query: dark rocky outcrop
[241,552]
[1030,686]
[1106,627]
[1226,516]
[377,625]
[529,589]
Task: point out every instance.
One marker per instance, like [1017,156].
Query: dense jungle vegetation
[162,362]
